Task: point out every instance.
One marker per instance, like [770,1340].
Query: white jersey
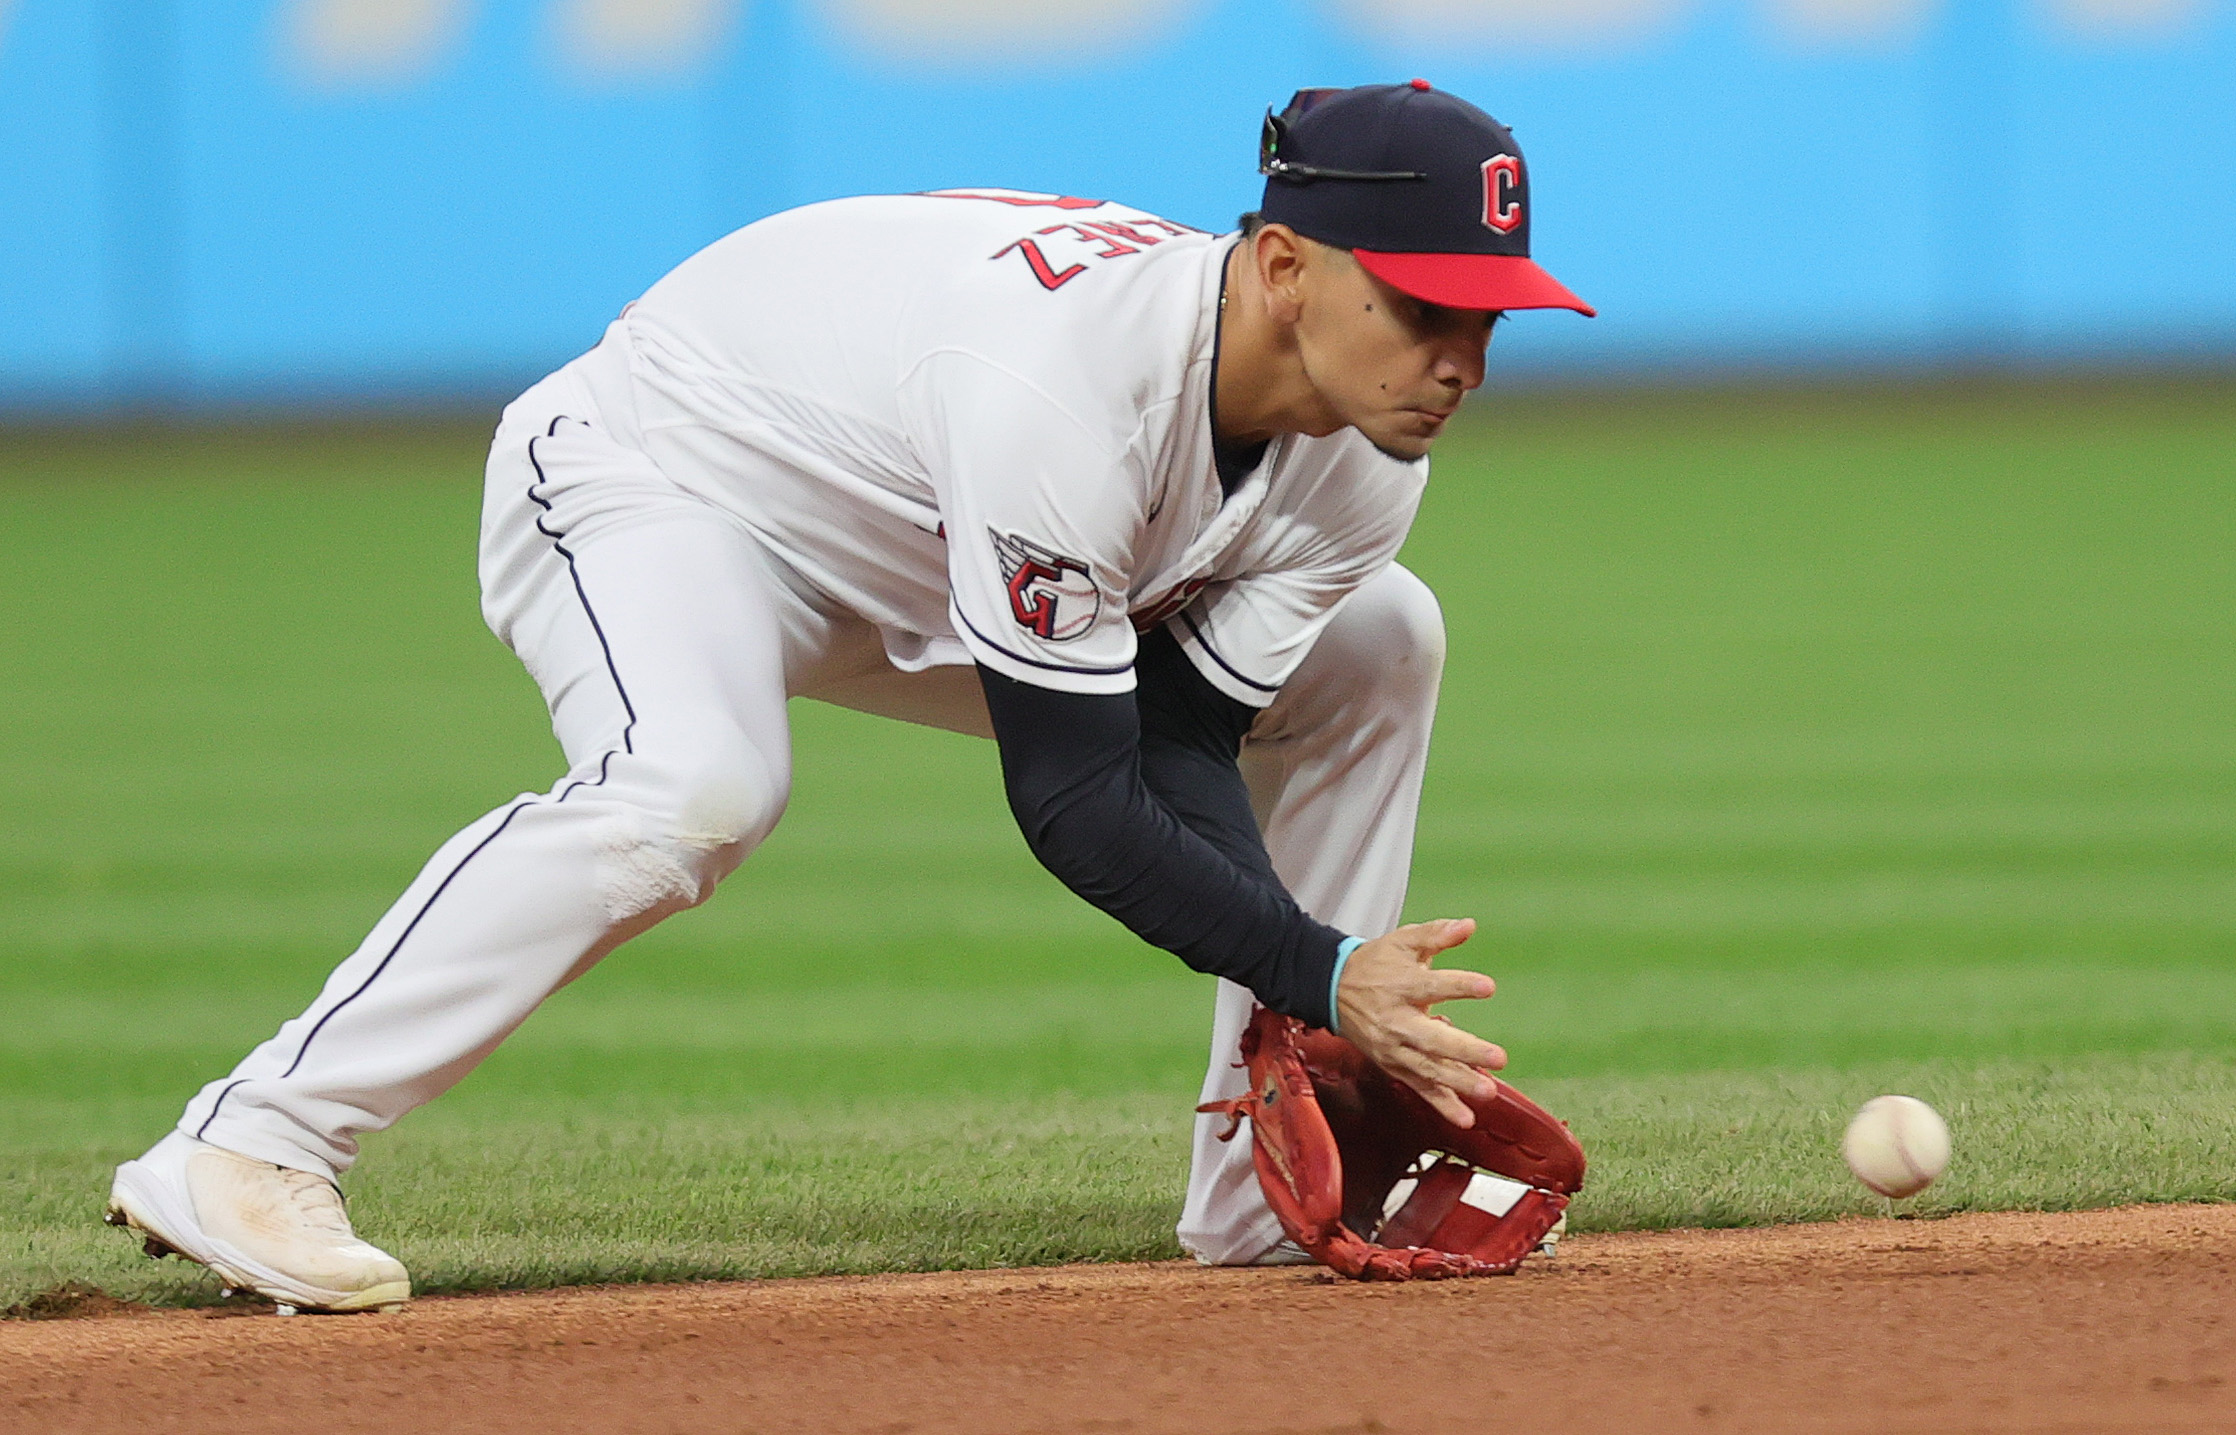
[981,420]
[981,423]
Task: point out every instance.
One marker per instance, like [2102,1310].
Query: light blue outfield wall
[209,200]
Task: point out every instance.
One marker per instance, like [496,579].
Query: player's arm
[1191,736]
[1233,651]
[1042,501]
[1134,801]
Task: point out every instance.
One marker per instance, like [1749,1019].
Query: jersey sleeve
[1041,514]
[1247,635]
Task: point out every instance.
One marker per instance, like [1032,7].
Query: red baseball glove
[1335,1135]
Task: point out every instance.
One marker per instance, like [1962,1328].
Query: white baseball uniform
[847,453]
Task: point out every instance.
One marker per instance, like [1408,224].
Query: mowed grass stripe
[1794,747]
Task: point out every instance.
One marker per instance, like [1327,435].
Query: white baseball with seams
[1897,1145]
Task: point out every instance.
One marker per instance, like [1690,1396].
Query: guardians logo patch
[1051,596]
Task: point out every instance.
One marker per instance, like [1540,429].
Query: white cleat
[278,1232]
[1549,1244]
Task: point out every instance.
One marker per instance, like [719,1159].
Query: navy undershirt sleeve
[1133,801]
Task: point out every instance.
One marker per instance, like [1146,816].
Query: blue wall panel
[2123,228]
[54,233]
[210,200]
[443,232]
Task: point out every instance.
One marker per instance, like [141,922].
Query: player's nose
[1461,361]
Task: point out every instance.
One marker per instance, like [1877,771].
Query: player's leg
[658,633]
[1334,767]
[852,671]
[650,623]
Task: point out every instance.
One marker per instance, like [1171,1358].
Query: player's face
[1382,361]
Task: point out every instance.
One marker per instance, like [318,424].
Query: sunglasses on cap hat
[1272,165]
[1449,228]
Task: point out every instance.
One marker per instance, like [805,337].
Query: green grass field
[1795,747]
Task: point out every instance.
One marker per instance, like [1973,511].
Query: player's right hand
[1382,1006]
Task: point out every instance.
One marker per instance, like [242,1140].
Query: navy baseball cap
[1428,192]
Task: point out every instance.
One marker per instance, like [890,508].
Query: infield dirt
[2099,1322]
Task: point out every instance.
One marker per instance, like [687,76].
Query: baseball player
[1118,494]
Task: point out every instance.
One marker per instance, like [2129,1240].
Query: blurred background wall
[229,201]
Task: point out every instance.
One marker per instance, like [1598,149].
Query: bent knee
[682,823]
[720,794]
[1394,628]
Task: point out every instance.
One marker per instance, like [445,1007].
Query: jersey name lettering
[1100,238]
[1018,198]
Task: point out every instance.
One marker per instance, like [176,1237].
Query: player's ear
[1279,255]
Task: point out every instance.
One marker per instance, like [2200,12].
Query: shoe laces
[318,1201]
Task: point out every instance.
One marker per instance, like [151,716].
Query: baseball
[1897,1145]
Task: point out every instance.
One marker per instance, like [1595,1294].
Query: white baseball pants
[666,639]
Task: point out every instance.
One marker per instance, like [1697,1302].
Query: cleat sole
[152,1246]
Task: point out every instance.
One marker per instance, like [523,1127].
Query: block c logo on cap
[1502,192]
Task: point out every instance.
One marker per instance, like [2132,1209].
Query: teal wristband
[1343,951]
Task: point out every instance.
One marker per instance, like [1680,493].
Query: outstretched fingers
[1444,1086]
[1426,939]
[1445,1066]
[1442,1099]
[1434,1036]
[1446,984]
[1384,1003]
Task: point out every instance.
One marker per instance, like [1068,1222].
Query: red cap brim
[1472,281]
